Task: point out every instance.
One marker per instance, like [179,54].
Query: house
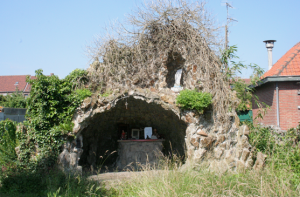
[11,83]
[280,89]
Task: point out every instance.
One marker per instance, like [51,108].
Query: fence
[15,114]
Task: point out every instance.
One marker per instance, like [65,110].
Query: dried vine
[163,31]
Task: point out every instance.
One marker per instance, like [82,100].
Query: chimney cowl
[270,45]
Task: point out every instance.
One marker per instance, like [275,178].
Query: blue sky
[52,35]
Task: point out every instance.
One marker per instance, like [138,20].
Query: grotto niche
[100,136]
[140,68]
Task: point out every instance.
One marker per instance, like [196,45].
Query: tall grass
[280,177]
[51,184]
[203,182]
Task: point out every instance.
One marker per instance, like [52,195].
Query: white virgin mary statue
[177,87]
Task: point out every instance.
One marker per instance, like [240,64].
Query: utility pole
[228,20]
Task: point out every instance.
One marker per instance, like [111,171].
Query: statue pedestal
[177,88]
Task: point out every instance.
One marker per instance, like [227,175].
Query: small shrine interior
[103,134]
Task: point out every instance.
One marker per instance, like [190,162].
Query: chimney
[51,74]
[270,45]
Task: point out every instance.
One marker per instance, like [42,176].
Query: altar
[135,152]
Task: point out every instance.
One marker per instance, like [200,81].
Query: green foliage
[282,149]
[14,100]
[53,183]
[25,182]
[262,139]
[8,142]
[243,91]
[77,78]
[191,99]
[106,93]
[50,109]
[83,93]
[2,100]
[231,68]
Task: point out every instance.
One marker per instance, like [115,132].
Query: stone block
[245,154]
[230,156]
[239,153]
[195,140]
[199,154]
[189,119]
[191,129]
[220,139]
[260,161]
[206,142]
[240,165]
[73,159]
[245,142]
[249,162]
[246,130]
[223,145]
[218,152]
[202,133]
[190,153]
[86,103]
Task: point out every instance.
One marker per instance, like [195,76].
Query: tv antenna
[228,20]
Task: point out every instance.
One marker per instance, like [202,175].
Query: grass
[169,179]
[203,182]
[52,184]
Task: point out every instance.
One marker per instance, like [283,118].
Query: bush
[282,150]
[8,142]
[24,182]
[191,99]
[50,109]
[14,100]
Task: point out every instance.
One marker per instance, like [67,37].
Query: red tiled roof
[7,83]
[287,65]
[247,81]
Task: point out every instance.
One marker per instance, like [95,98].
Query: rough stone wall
[192,77]
[203,140]
[68,159]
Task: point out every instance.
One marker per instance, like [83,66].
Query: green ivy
[8,142]
[51,105]
[191,99]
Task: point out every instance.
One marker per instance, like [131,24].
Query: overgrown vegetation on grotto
[48,125]
[163,32]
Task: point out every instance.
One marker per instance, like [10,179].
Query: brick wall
[267,94]
[289,100]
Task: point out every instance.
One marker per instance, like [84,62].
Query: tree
[243,91]
[14,100]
